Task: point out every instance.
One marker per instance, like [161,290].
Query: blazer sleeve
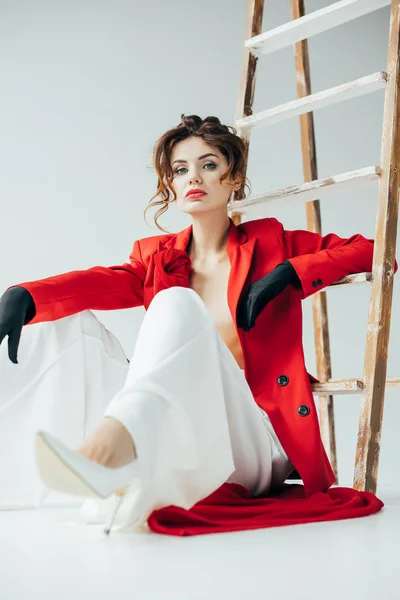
[101,288]
[320,260]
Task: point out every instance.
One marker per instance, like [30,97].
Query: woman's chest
[212,286]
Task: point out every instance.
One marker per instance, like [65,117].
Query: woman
[217,391]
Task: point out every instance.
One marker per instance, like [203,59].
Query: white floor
[43,558]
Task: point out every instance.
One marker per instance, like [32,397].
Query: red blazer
[273,350]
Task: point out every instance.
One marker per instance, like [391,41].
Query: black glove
[17,308]
[263,291]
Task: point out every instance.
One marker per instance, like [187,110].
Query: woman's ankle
[110,445]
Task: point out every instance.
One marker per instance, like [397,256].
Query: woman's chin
[195,207]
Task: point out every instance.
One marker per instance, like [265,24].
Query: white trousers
[182,397]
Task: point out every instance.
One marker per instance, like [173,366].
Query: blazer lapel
[240,250]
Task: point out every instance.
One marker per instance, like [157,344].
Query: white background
[88,87]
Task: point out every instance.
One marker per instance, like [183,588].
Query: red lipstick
[195,193]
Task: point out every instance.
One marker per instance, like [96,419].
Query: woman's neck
[209,238]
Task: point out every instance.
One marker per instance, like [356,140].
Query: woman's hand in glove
[17,308]
[263,291]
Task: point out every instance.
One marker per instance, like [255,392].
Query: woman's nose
[194,177]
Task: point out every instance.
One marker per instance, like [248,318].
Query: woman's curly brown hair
[213,133]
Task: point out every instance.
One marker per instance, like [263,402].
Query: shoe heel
[120,493]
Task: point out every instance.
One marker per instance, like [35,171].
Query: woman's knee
[184,301]
[67,330]
[92,327]
[179,310]
[59,326]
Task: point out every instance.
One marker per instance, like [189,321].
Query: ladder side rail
[245,99]
[313,219]
[375,364]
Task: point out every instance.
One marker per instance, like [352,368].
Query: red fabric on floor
[232,508]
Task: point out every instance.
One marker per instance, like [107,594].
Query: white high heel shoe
[67,471]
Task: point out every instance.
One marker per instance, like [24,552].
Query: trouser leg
[67,372]
[188,409]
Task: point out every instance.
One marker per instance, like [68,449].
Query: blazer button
[319,281]
[283,379]
[314,284]
[303,410]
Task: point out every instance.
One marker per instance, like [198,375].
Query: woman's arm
[322,260]
[101,288]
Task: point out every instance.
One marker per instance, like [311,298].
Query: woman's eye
[210,163]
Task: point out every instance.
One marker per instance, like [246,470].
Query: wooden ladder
[373,384]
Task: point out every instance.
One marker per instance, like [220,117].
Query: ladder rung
[311,24]
[339,93]
[309,191]
[353,278]
[347,386]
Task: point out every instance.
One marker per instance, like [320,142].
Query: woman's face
[192,169]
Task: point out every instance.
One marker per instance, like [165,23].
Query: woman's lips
[197,195]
